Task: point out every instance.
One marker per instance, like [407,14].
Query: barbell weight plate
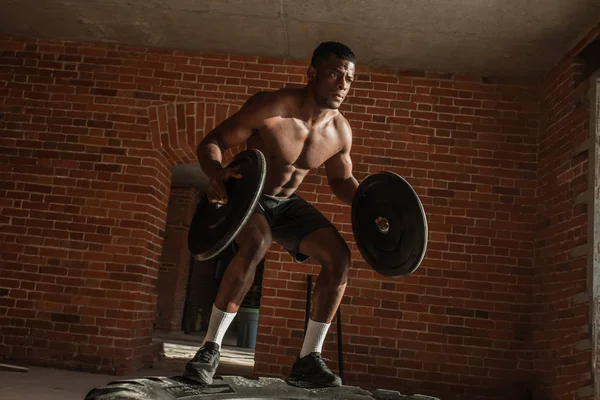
[214,227]
[399,251]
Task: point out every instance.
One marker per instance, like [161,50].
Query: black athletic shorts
[291,219]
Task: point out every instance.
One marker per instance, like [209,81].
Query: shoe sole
[203,380]
[310,385]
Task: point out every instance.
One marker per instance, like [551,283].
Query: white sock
[218,325]
[315,336]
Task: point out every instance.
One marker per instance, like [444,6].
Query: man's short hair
[325,49]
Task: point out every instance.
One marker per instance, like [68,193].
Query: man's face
[331,81]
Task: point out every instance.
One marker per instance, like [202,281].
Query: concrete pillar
[176,259]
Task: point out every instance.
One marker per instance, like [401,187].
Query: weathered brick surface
[561,318]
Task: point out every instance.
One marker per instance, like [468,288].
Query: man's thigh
[295,221]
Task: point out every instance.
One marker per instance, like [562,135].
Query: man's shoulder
[277,95]
[342,125]
[274,99]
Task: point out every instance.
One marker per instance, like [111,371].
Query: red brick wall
[83,211]
[175,259]
[90,133]
[562,308]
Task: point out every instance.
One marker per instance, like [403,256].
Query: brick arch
[177,128]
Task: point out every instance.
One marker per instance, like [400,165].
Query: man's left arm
[339,169]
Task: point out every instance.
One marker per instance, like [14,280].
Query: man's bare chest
[295,144]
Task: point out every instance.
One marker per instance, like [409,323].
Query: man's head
[330,73]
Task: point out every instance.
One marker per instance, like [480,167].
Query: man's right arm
[231,132]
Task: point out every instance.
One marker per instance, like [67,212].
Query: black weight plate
[214,227]
[398,252]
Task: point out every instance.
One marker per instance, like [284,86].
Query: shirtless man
[297,130]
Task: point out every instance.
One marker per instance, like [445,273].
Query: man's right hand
[216,191]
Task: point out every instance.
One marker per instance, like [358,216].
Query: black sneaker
[311,371]
[202,367]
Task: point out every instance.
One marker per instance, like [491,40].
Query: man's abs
[283,180]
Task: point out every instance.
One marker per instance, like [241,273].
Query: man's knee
[254,245]
[338,261]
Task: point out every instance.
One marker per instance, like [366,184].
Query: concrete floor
[55,384]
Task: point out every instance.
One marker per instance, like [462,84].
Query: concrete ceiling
[483,37]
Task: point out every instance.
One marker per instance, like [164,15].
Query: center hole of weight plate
[383,225]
